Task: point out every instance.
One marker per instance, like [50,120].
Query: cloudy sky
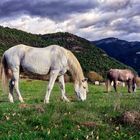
[91,19]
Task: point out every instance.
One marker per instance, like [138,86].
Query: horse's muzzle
[79,97]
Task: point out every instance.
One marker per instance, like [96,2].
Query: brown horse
[123,75]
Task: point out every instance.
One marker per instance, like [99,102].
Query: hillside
[90,57]
[124,51]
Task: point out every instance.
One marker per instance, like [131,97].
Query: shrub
[94,76]
[67,78]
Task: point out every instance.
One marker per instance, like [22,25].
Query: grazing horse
[54,60]
[123,75]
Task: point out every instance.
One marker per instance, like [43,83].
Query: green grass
[59,120]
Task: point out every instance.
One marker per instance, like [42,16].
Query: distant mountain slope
[124,51]
[90,57]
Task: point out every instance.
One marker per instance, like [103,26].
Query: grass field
[59,120]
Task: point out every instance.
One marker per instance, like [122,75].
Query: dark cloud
[115,5]
[134,10]
[97,20]
[56,10]
[117,17]
[127,25]
[96,23]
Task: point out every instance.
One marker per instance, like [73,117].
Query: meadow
[95,118]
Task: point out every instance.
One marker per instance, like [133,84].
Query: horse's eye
[84,87]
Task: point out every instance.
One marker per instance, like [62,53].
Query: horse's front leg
[62,87]
[115,85]
[129,82]
[53,76]
[134,86]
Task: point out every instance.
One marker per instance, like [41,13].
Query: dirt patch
[39,109]
[29,80]
[22,106]
[72,98]
[89,124]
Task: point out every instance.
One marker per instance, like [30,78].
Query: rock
[97,83]
[131,117]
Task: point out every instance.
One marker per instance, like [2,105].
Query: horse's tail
[4,74]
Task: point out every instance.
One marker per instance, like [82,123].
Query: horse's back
[120,74]
[37,60]
[41,60]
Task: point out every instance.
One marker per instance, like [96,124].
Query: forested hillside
[90,57]
[124,51]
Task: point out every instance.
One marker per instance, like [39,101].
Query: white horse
[53,60]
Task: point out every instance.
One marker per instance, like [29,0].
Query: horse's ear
[85,79]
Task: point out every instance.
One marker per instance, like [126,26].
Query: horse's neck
[75,69]
[77,76]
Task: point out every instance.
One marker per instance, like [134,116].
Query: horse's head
[81,89]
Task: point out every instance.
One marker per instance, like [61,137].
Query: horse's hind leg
[108,85]
[11,89]
[62,87]
[16,77]
[53,76]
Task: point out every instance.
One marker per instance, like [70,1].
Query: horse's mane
[74,67]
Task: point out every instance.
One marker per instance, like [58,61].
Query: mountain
[90,57]
[124,51]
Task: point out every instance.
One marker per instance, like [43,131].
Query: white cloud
[31,24]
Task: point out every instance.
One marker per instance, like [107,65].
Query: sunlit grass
[60,120]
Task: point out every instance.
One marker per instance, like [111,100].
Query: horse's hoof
[10,97]
[46,102]
[65,99]
[22,101]
[12,102]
